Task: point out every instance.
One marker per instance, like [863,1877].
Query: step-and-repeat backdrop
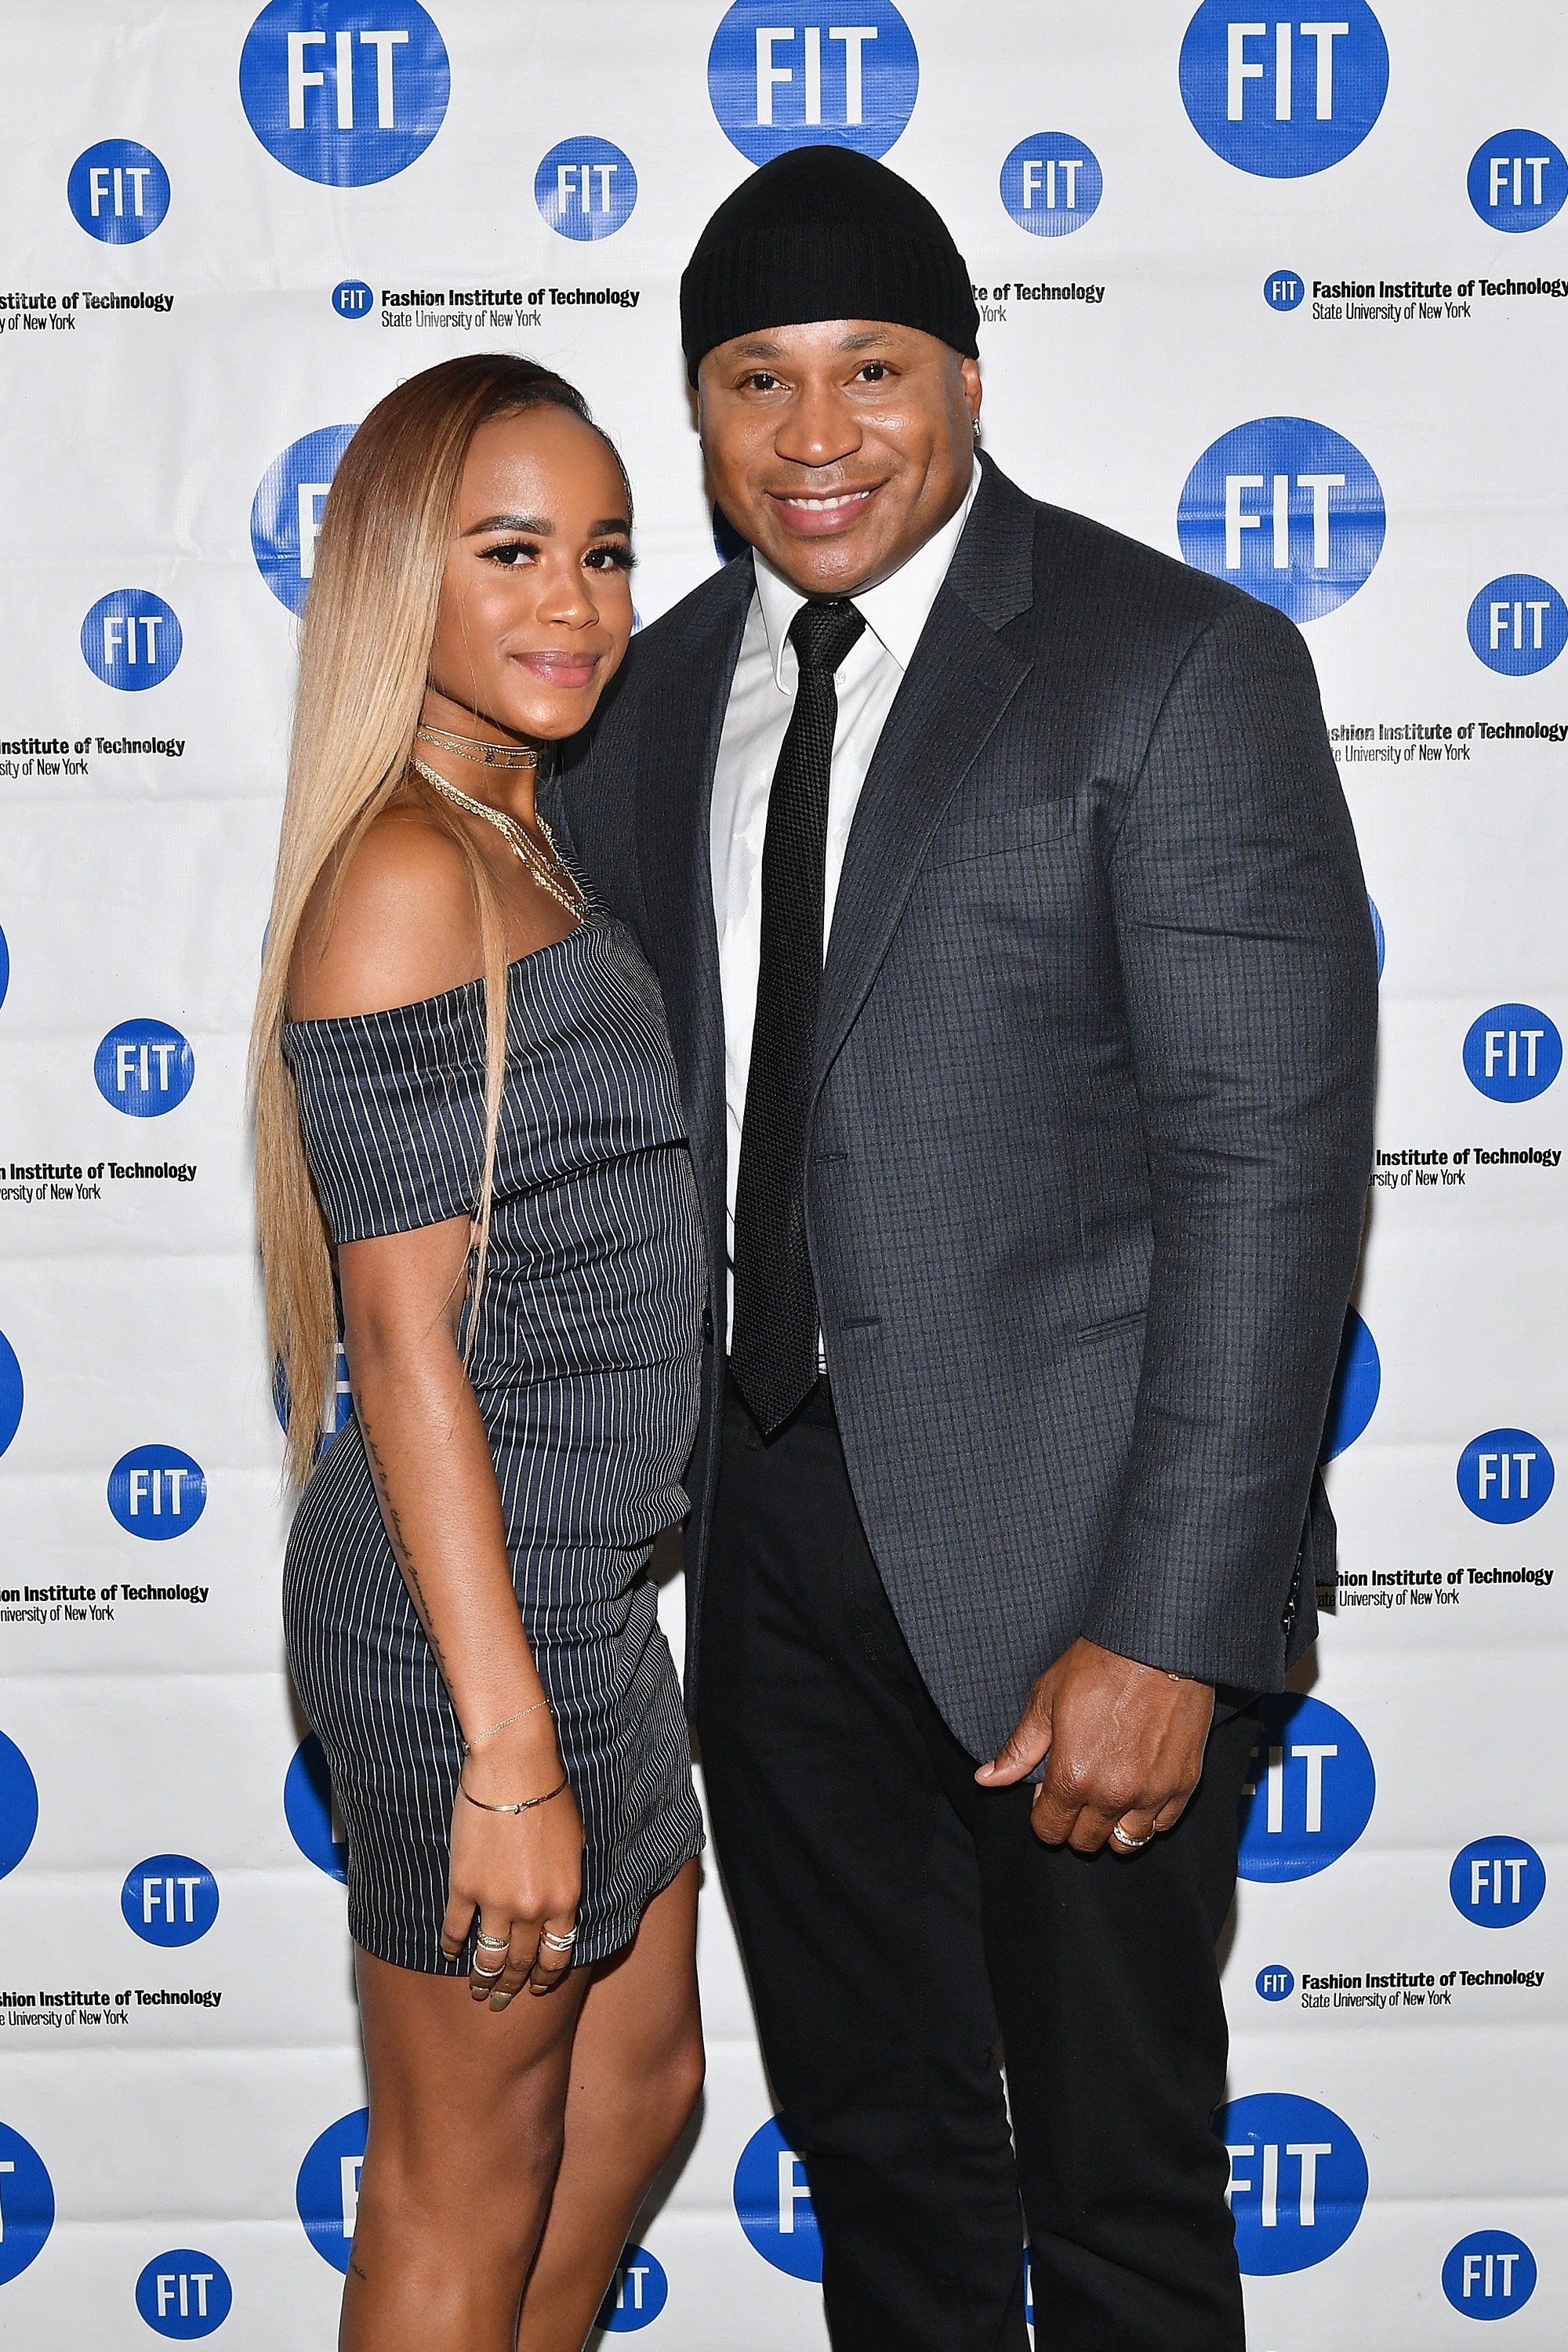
[1285,296]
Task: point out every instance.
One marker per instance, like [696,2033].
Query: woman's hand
[522,1872]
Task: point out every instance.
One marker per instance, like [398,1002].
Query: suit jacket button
[707,1322]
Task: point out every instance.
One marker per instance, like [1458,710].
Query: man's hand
[1126,1746]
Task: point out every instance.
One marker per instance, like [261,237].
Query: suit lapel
[679,747]
[959,684]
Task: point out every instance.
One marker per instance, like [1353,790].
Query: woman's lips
[559,669]
[814,515]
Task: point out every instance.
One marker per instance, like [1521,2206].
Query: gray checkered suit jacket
[1092,1125]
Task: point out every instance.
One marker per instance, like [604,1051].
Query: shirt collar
[896,610]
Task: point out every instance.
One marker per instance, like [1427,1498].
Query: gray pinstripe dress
[584,1363]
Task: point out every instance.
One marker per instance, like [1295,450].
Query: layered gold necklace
[552,874]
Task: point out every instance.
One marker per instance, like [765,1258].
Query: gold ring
[1132,1844]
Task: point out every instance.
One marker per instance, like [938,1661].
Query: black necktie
[772,1348]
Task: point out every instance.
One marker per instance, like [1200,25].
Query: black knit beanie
[824,233]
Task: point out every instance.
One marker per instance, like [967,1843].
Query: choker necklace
[474,747]
[548,873]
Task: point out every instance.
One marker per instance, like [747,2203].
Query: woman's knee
[489,2190]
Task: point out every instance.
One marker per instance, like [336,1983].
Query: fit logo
[1282,97]
[18,1805]
[1513,1052]
[130,639]
[1518,181]
[1505,1476]
[26,2203]
[781,77]
[1298,2181]
[585,189]
[285,512]
[637,2294]
[772,2202]
[157,1493]
[169,1899]
[343,93]
[118,191]
[183,2294]
[1518,623]
[326,2193]
[1489,2275]
[310,1810]
[1496,1882]
[145,1069]
[1051,184]
[1310,1794]
[1286,509]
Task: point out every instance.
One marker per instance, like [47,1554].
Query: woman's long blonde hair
[370,617]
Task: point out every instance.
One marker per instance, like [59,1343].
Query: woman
[466,1108]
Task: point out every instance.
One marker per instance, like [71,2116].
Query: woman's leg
[637,2070]
[465,2108]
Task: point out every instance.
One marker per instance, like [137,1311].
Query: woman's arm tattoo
[398,1539]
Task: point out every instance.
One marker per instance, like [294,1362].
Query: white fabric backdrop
[1190,183]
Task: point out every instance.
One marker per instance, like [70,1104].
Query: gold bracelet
[523,1805]
[494,1728]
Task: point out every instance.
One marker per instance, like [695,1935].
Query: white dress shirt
[761,701]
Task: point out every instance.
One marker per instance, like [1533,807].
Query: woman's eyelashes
[612,555]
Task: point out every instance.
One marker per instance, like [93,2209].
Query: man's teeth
[826,506]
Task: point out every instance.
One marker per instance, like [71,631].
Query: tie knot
[823,631]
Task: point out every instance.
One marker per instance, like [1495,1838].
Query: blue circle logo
[132,639]
[1378,941]
[1496,1882]
[777,82]
[18,1805]
[1311,1790]
[1298,2182]
[1518,623]
[1357,1383]
[1518,181]
[1274,1983]
[183,2294]
[144,1069]
[1051,184]
[774,2204]
[1283,290]
[1505,1476]
[309,1810]
[1513,1052]
[336,1406]
[352,299]
[343,93]
[285,512]
[26,2203]
[169,1899]
[636,2296]
[5,967]
[1490,2274]
[1282,101]
[118,191]
[1288,510]
[327,2190]
[10,1393]
[585,188]
[157,1492]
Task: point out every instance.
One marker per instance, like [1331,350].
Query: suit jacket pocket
[1001,833]
[1114,1323]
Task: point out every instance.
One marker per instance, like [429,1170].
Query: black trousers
[898,1921]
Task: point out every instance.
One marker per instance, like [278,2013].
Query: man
[1021,980]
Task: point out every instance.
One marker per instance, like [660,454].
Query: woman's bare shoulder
[404,926]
